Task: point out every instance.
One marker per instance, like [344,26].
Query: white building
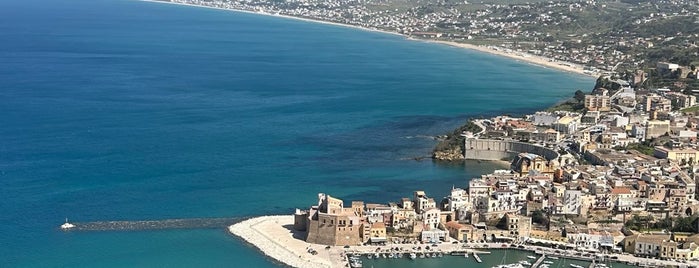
[571,202]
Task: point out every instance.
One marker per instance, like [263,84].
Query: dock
[478,259]
[539,261]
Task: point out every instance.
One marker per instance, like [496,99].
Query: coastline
[518,56]
[275,238]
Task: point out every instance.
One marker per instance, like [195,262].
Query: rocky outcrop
[451,146]
[449,154]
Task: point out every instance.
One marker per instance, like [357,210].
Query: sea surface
[128,110]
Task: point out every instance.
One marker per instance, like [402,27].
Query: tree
[539,216]
[684,224]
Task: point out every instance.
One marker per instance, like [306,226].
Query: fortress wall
[483,149]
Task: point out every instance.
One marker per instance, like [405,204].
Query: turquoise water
[127,110]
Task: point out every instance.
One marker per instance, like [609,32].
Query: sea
[122,110]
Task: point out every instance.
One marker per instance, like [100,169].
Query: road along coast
[516,55]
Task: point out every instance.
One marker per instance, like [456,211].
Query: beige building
[687,155]
[656,128]
[524,162]
[377,232]
[518,226]
[459,231]
[600,103]
[330,223]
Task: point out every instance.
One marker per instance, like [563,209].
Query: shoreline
[270,235]
[514,55]
[275,238]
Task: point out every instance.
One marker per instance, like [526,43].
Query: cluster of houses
[507,23]
[574,185]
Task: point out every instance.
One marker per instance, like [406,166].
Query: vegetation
[539,216]
[644,148]
[575,104]
[681,224]
[454,140]
[690,109]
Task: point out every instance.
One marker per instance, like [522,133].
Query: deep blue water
[127,110]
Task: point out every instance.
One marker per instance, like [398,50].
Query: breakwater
[193,223]
[486,149]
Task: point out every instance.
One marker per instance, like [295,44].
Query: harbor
[275,237]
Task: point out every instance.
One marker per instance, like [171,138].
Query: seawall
[485,149]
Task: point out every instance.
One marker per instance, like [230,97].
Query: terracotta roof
[643,238]
[621,190]
[454,224]
[378,225]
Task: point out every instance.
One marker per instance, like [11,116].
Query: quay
[275,237]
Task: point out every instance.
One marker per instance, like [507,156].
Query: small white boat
[413,255]
[478,259]
[67,225]
[466,255]
[532,257]
[525,263]
[548,262]
[575,265]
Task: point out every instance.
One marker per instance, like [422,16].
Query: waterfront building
[458,231]
[330,223]
[662,246]
[431,218]
[518,226]
[377,233]
[433,236]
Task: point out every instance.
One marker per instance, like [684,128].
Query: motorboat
[67,225]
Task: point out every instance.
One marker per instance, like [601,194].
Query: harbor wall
[485,149]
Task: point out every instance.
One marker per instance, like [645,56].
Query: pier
[478,259]
[539,261]
[193,223]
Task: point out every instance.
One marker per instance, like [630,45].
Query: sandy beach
[524,57]
[519,56]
